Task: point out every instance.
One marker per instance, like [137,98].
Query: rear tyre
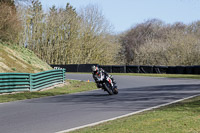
[115,90]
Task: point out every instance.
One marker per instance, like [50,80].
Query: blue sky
[123,14]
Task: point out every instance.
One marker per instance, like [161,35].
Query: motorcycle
[107,84]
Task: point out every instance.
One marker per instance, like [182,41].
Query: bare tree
[137,36]
[96,45]
[10,24]
[83,37]
[180,48]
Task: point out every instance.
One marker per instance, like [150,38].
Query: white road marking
[129,114]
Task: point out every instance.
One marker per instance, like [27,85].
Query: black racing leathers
[99,76]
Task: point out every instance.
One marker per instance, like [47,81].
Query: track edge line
[126,115]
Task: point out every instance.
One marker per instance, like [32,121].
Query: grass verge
[182,117]
[71,86]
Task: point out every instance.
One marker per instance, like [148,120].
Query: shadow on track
[142,94]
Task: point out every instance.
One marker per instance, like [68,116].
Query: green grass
[19,59]
[71,86]
[182,117]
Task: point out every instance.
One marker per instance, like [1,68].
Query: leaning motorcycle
[107,84]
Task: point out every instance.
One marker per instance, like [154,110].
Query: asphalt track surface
[58,113]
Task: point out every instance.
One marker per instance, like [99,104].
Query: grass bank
[182,117]
[15,59]
[71,86]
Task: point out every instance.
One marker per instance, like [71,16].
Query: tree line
[64,35]
[83,36]
[156,43]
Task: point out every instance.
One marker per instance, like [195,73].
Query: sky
[124,14]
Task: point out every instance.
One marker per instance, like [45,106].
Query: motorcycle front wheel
[108,88]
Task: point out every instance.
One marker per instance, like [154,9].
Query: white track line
[129,114]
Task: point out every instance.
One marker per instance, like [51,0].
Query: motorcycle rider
[97,73]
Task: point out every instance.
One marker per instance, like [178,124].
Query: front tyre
[108,88]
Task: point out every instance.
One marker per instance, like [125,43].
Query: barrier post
[63,75]
[31,82]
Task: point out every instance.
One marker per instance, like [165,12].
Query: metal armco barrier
[15,82]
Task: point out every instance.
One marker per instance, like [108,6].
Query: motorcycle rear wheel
[115,90]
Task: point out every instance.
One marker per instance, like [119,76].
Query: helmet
[95,68]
